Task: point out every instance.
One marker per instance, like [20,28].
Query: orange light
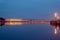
[12,21]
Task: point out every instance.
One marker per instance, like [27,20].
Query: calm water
[29,9]
[28,32]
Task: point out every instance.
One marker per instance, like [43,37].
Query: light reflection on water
[28,32]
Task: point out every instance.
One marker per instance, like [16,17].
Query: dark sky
[29,9]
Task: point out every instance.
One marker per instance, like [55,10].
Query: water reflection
[56,30]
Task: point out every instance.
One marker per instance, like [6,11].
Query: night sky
[29,9]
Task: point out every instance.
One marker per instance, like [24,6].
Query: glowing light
[55,31]
[56,16]
[12,21]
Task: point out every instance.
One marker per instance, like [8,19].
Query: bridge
[12,21]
